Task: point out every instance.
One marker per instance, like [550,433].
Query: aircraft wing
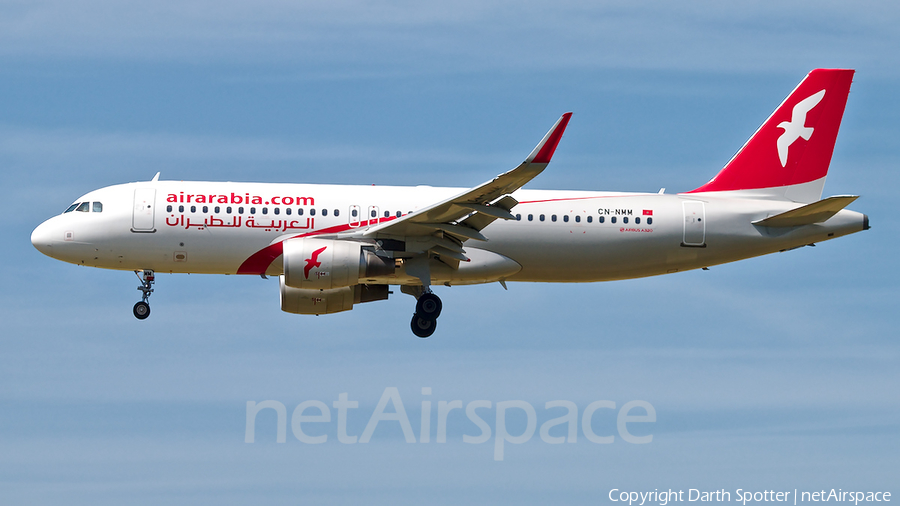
[464,215]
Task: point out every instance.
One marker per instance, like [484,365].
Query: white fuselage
[560,236]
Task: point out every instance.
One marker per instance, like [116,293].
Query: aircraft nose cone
[42,238]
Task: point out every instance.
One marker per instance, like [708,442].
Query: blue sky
[773,373]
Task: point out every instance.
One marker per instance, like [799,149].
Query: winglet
[543,152]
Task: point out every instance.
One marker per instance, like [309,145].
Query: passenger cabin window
[590,219]
[353,213]
[399,214]
[205,209]
[312,211]
[566,218]
[601,219]
[577,219]
[637,220]
[97,207]
[83,207]
[553,218]
[193,209]
[612,220]
[649,221]
[324,212]
[337,213]
[169,208]
[300,212]
[518,217]
[530,217]
[542,217]
[181,209]
[277,210]
[625,219]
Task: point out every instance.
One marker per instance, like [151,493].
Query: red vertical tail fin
[788,157]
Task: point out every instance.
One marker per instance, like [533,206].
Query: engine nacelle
[335,300]
[325,264]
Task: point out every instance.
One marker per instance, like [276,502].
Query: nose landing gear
[142,308]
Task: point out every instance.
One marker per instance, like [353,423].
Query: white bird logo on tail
[796,127]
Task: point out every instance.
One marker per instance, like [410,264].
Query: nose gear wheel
[141,309]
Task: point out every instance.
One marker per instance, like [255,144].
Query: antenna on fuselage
[155,178]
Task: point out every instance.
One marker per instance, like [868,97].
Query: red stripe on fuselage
[259,262]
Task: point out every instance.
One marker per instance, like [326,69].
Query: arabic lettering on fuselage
[237,221]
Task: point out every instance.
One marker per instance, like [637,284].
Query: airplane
[334,246]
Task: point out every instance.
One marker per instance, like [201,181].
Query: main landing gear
[424,320]
[142,308]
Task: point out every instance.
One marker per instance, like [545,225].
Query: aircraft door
[694,223]
[354,217]
[142,219]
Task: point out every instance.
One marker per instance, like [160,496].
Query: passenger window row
[252,210]
[374,214]
[589,219]
[265,210]
[98,207]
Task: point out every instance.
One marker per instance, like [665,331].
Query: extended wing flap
[817,212]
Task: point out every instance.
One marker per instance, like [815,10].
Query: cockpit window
[97,207]
[71,208]
[83,207]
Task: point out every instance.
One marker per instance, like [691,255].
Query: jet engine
[325,264]
[335,300]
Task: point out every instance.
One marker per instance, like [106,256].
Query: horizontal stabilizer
[817,212]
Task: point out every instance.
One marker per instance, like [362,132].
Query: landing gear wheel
[422,327]
[141,310]
[429,306]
